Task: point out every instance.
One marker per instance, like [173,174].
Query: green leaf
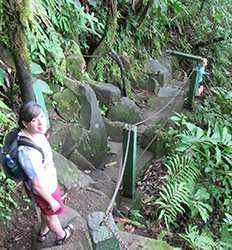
[42,86]
[218,156]
[36,69]
[178,7]
[201,194]
[3,105]
[2,76]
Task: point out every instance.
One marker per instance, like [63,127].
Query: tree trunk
[22,10]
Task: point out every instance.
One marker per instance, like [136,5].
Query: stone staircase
[90,190]
[85,194]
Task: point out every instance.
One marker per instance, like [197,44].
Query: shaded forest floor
[17,233]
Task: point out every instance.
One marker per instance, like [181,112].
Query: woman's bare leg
[44,227]
[54,225]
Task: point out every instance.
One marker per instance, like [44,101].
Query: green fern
[177,190]
[172,198]
[200,241]
[181,169]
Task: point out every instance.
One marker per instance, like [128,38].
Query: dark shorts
[44,206]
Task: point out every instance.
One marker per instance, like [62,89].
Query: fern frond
[201,241]
[182,169]
[172,198]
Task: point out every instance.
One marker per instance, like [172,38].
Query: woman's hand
[54,205]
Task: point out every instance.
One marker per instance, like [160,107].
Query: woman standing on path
[41,173]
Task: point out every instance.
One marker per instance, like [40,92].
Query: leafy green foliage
[201,241]
[175,194]
[228,221]
[7,203]
[199,204]
[7,186]
[171,201]
[181,169]
[201,164]
[104,109]
[215,108]
[53,25]
[135,214]
[213,150]
[7,120]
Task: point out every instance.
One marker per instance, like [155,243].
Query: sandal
[69,229]
[42,237]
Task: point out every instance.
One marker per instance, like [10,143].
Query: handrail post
[129,178]
[195,79]
[196,76]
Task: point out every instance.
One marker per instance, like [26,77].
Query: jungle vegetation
[88,40]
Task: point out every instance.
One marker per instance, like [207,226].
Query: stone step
[87,200]
[142,159]
[80,239]
[136,242]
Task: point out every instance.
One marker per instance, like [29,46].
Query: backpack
[9,155]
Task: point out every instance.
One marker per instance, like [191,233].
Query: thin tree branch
[211,41]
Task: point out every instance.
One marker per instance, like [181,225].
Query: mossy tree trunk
[107,41]
[22,12]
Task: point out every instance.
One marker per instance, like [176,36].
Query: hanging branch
[211,41]
[118,60]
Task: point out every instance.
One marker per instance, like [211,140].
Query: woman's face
[37,125]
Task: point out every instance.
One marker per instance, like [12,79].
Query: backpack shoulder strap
[24,141]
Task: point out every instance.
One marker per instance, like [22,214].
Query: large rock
[75,62]
[85,141]
[160,72]
[157,146]
[92,120]
[58,132]
[125,111]
[68,173]
[107,93]
[148,81]
[73,142]
[67,104]
[169,92]
[114,129]
[77,147]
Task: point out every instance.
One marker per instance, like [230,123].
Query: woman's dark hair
[28,112]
